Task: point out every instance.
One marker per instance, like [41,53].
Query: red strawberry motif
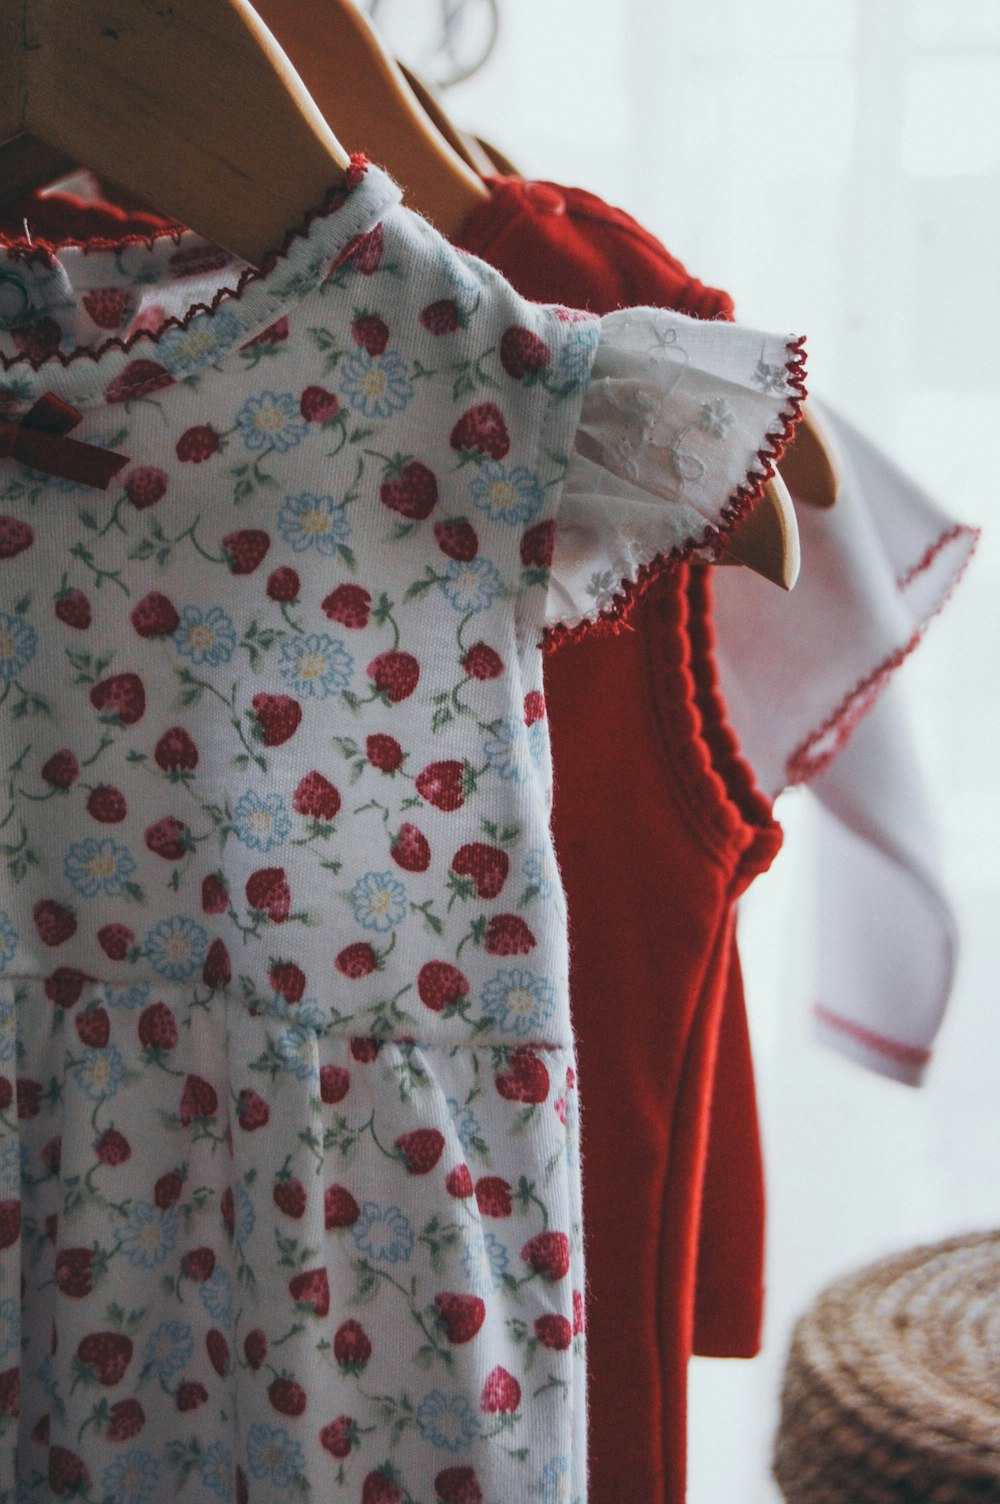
[198,260]
[255,1348]
[15,537]
[74,1271]
[554,1331]
[283,585]
[278,718]
[538,545]
[107,306]
[288,980]
[441,985]
[421,1149]
[481,431]
[457,539]
[67,1473]
[357,960]
[458,1485]
[339,1436]
[199,1099]
[443,785]
[508,935]
[579,1319]
[73,609]
[198,1264]
[122,696]
[115,940]
[217,970]
[252,1112]
[493,1196]
[61,770]
[169,838]
[55,923]
[145,486]
[366,252]
[140,378]
[267,891]
[458,1182]
[526,1078]
[365,1049]
[157,1027]
[316,796]
[548,1255]
[93,1027]
[214,895]
[39,339]
[6,1093]
[394,675]
[311,1288]
[245,550]
[218,1351]
[339,1208]
[534,707]
[108,1354]
[191,1395]
[482,662]
[29,1098]
[350,605]
[409,488]
[410,850]
[274,334]
[289,1196]
[317,405]
[334,1084]
[384,753]
[522,353]
[10,1223]
[461,1315]
[65,986]
[106,804]
[371,333]
[51,1155]
[380,1488]
[287,1397]
[487,866]
[227,1210]
[501,1393]
[175,752]
[126,1419]
[198,444]
[351,1346]
[441,317]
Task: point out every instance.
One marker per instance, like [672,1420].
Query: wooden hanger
[359,87]
[191,105]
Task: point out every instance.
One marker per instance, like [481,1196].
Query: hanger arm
[189,104]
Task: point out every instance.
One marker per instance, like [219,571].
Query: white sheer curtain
[837,169]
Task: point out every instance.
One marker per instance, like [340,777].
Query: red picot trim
[815,754]
[38,440]
[24,250]
[614,617]
[892,1049]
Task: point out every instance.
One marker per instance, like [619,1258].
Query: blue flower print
[15,1162]
[296,1049]
[518,1002]
[18,643]
[466,1125]
[262,821]
[471,585]
[10,1327]
[244,1216]
[168,1349]
[204,340]
[273,1454]
[541,872]
[8,939]
[216,1295]
[316,666]
[206,637]
[516,751]
[317,522]
[447,1421]
[577,354]
[100,1073]
[271,421]
[99,867]
[384,1234]
[8,1029]
[175,948]
[149,1234]
[376,386]
[510,495]
[131,1479]
[485,1261]
[554,1484]
[128,998]
[217,1470]
[379,902]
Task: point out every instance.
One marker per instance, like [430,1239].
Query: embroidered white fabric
[673,425]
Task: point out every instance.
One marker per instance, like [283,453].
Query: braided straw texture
[892,1386]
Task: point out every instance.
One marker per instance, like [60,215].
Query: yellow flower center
[260,822]
[196,342]
[7,646]
[374,383]
[503,495]
[98,1069]
[102,864]
[201,637]
[176,948]
[520,1000]
[269,419]
[315,522]
[380,901]
[312,666]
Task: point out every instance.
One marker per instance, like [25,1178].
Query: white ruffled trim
[679,428]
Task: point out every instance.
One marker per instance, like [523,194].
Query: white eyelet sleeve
[679,429]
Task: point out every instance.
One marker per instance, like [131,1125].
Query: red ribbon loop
[39,440]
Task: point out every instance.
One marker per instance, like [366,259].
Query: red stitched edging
[892,1049]
[804,763]
[615,616]
[21,249]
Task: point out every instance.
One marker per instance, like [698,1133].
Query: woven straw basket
[892,1387]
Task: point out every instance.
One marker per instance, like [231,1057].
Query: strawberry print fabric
[288,1121]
